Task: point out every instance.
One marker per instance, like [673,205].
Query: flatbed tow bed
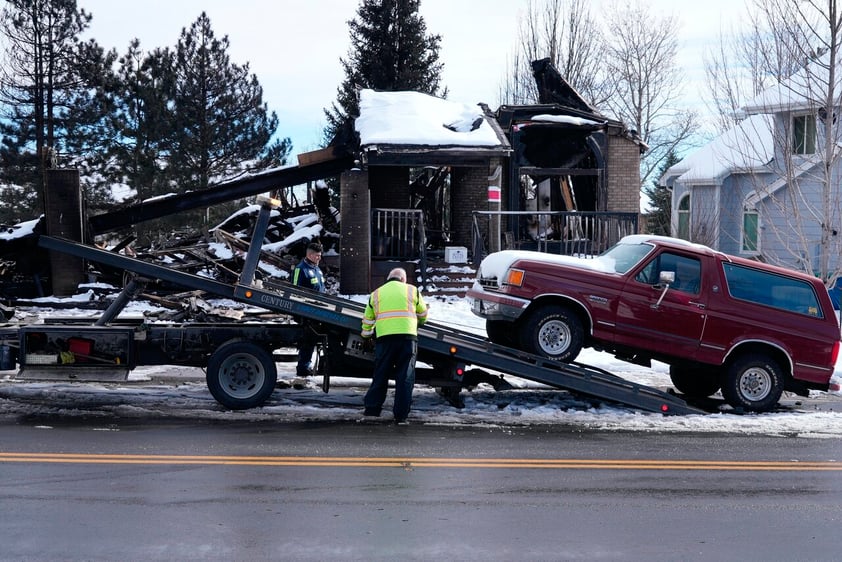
[241,372]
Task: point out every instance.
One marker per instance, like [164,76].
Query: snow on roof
[420,119]
[747,145]
[566,119]
[805,89]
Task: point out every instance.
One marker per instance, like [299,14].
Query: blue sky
[294,47]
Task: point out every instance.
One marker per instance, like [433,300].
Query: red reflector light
[664,408]
[835,352]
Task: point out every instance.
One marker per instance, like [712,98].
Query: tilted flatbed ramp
[434,341]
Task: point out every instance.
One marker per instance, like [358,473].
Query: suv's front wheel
[753,382]
[553,331]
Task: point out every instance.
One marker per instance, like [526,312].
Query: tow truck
[241,371]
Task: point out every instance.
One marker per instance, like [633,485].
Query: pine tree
[391,51]
[222,125]
[660,200]
[220,119]
[39,84]
[141,120]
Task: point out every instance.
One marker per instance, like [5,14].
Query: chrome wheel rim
[755,383]
[554,338]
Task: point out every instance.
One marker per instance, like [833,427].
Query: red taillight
[835,354]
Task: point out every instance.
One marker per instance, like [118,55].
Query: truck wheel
[241,375]
[753,382]
[697,382]
[554,332]
[501,332]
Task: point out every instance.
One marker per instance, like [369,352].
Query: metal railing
[558,232]
[398,234]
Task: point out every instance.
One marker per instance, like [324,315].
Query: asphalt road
[152,490]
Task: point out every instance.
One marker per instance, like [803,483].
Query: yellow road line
[425,462]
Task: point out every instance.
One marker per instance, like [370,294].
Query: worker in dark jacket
[307,274]
[393,313]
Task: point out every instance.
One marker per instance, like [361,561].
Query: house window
[684,218]
[750,232]
[804,134]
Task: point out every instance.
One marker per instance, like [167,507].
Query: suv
[750,329]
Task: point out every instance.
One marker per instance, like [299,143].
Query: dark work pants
[394,356]
[306,347]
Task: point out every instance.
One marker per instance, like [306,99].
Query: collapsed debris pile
[217,253]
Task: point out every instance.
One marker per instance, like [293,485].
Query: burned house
[430,180]
[557,176]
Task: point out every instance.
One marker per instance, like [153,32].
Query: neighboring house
[759,190]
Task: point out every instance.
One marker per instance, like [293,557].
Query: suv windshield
[625,256]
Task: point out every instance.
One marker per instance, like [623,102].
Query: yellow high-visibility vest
[394,308]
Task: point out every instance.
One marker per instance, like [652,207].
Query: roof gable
[806,89]
[745,146]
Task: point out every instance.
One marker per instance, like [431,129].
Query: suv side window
[773,290]
[688,272]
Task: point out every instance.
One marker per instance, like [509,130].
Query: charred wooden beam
[228,191]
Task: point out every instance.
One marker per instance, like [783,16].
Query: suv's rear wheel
[753,382]
[555,332]
[697,382]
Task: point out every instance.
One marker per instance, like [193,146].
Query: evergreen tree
[88,135]
[141,121]
[660,200]
[391,51]
[40,82]
[222,124]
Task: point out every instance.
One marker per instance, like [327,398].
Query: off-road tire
[553,331]
[753,382]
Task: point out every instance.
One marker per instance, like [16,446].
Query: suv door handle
[699,304]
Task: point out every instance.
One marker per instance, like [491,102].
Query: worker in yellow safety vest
[393,314]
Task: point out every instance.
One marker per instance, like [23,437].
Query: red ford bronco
[750,329]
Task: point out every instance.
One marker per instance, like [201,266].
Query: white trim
[752,199]
[676,231]
[791,136]
[756,251]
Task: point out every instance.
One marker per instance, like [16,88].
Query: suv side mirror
[667,278]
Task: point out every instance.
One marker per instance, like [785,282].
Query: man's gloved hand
[368,345]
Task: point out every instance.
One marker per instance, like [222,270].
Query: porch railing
[398,234]
[558,232]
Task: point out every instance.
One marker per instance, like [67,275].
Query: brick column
[355,231]
[63,218]
[468,192]
[623,175]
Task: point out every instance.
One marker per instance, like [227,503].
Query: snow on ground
[180,392]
